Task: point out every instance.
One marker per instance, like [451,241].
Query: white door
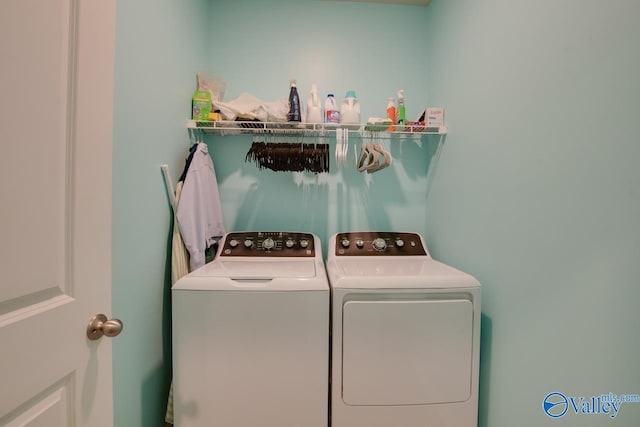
[56,101]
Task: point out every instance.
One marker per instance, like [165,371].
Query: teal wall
[537,195]
[540,202]
[159,44]
[258,46]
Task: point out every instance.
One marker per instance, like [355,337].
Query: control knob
[268,244]
[290,243]
[400,243]
[304,243]
[360,243]
[233,243]
[345,243]
[248,243]
[380,244]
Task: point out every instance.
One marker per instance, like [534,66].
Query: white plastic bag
[209,81]
[248,107]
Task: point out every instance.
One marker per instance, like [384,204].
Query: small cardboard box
[435,117]
[201,105]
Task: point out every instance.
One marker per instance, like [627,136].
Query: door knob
[99,326]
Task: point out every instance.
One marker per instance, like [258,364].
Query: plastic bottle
[391,113]
[295,114]
[314,110]
[402,112]
[350,109]
[331,112]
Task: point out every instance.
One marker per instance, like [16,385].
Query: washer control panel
[269,244]
[379,243]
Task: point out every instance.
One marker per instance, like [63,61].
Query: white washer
[251,335]
[406,334]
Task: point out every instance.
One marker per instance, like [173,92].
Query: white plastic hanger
[368,157]
[373,158]
[386,159]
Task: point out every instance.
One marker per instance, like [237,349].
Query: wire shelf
[310,129]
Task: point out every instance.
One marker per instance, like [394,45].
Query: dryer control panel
[379,243]
[269,244]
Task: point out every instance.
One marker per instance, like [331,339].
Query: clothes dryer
[251,335]
[405,334]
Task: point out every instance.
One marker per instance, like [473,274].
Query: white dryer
[405,334]
[251,335]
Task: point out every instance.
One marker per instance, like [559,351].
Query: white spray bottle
[314,109]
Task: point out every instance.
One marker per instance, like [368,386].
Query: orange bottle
[391,114]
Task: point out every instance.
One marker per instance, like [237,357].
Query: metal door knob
[99,325]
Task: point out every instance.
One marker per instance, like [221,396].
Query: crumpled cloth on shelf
[248,107]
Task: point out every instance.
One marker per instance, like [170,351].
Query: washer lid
[253,269]
[256,275]
[258,269]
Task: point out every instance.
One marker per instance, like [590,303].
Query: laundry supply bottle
[402,112]
[314,110]
[331,112]
[391,113]
[350,109]
[295,113]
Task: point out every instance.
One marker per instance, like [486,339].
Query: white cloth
[199,210]
[179,254]
[248,107]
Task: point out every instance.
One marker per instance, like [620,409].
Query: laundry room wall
[375,49]
[159,44]
[537,195]
[256,47]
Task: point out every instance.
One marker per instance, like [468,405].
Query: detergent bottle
[391,114]
[350,109]
[314,111]
[331,112]
[295,113]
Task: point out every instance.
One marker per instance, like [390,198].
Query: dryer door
[407,352]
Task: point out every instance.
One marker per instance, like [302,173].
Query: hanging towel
[193,213]
[199,211]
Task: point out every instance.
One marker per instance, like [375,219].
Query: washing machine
[405,334]
[251,335]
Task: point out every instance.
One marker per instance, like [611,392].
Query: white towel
[199,211]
